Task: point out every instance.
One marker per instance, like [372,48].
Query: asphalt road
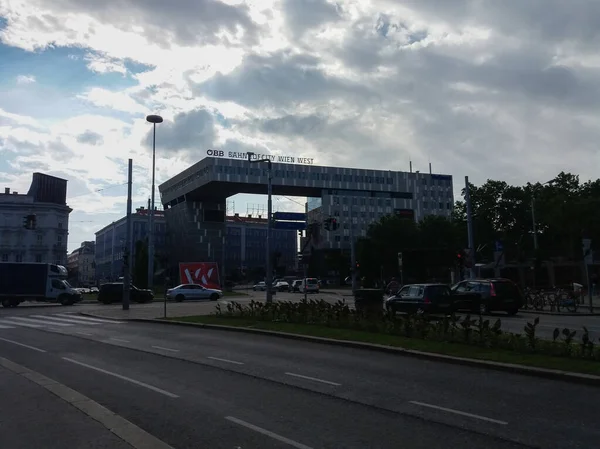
[204,388]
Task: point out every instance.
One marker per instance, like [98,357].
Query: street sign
[588,255]
[291,216]
[289,225]
[400,260]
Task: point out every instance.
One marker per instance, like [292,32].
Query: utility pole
[154,119]
[128,253]
[534,224]
[352,249]
[470,236]
[269,279]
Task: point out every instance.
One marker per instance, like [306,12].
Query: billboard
[201,273]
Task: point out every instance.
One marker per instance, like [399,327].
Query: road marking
[22,344]
[85,318]
[314,378]
[120,339]
[6,327]
[84,333]
[119,376]
[40,322]
[225,360]
[267,433]
[165,349]
[458,412]
[126,430]
[17,323]
[66,320]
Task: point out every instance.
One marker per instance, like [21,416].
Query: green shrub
[452,328]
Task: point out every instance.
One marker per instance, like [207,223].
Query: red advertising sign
[201,273]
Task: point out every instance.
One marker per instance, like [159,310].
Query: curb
[535,312]
[567,376]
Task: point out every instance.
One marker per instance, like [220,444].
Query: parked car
[113,292]
[497,294]
[281,286]
[430,298]
[309,285]
[262,286]
[296,285]
[185,292]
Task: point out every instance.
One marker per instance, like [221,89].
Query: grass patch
[451,349]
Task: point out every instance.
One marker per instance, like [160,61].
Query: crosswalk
[55,320]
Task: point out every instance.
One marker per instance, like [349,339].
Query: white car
[193,291]
[310,285]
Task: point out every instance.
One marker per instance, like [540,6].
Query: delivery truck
[40,282]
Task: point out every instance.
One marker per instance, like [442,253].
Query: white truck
[40,282]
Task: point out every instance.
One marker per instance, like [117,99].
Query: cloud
[90,138]
[482,88]
[25,79]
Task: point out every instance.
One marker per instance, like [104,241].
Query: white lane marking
[120,339]
[165,349]
[225,360]
[22,344]
[84,333]
[85,318]
[267,433]
[17,323]
[314,379]
[458,412]
[66,320]
[6,327]
[119,376]
[40,322]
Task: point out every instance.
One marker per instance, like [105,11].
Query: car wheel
[179,298]
[214,297]
[512,312]
[6,303]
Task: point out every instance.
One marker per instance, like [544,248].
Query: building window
[40,238]
[4,257]
[19,258]
[60,225]
[59,239]
[38,258]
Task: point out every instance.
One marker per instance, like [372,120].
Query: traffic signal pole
[470,236]
[352,249]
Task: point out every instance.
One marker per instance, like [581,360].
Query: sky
[487,89]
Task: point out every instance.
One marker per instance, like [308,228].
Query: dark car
[430,298]
[113,292]
[496,294]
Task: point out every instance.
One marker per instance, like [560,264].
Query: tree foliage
[565,210]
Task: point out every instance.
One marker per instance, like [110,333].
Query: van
[310,285]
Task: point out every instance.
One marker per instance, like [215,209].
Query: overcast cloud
[490,89]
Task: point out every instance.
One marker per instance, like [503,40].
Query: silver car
[193,291]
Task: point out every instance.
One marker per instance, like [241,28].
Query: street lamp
[269,279]
[154,119]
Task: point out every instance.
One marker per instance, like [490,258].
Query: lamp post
[154,119]
[269,279]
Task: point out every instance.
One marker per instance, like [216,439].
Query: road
[204,388]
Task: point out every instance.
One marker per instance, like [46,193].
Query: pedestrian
[393,287]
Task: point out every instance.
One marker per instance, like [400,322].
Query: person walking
[393,287]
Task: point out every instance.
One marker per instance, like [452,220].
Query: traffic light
[327,224]
[30,221]
[460,259]
[334,224]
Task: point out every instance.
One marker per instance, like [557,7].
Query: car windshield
[311,281]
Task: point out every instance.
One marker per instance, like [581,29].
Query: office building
[110,243]
[245,245]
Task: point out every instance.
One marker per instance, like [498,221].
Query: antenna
[430,168]
[410,166]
